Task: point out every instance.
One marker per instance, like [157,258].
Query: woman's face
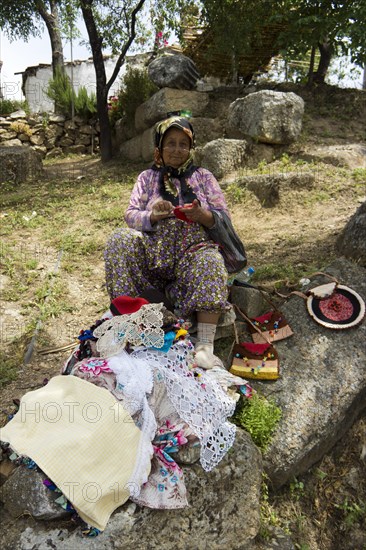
[175,147]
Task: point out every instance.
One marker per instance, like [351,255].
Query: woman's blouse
[146,192]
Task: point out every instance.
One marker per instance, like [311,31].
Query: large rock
[351,155]
[266,187]
[131,149]
[267,116]
[207,129]
[222,156]
[322,388]
[173,71]
[18,164]
[249,300]
[352,241]
[169,100]
[147,145]
[224,511]
[25,492]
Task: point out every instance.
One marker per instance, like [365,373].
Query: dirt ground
[52,284]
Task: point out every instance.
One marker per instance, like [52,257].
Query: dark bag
[231,247]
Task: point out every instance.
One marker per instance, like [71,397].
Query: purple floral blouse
[146,192]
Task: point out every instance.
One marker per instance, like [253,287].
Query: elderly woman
[168,247]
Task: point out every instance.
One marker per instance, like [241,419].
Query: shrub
[136,88]
[21,128]
[85,105]
[8,106]
[258,416]
[61,92]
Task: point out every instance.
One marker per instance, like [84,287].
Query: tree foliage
[333,27]
[19,19]
[25,19]
[310,22]
[136,88]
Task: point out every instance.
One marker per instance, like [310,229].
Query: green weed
[258,416]
[236,194]
[111,214]
[297,489]
[353,512]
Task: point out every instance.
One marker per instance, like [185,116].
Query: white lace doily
[140,328]
[200,401]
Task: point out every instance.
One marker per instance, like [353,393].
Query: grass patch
[359,175]
[8,368]
[279,272]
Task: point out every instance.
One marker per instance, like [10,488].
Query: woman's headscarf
[168,191]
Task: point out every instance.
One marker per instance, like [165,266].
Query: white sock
[204,347]
[206,334]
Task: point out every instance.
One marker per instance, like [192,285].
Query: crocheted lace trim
[140,328]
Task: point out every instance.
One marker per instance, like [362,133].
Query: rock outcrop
[222,156]
[19,164]
[224,510]
[266,116]
[352,241]
[169,100]
[322,389]
[173,71]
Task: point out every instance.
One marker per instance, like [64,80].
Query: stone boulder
[24,492]
[266,187]
[351,155]
[224,510]
[131,149]
[351,243]
[165,101]
[147,145]
[19,164]
[249,299]
[267,116]
[173,71]
[322,389]
[207,129]
[222,156]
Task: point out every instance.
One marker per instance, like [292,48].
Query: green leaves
[258,416]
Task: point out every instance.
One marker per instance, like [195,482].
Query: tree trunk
[53,27]
[311,68]
[101,81]
[103,86]
[364,78]
[326,52]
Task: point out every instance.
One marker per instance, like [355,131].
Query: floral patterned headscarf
[180,123]
[168,190]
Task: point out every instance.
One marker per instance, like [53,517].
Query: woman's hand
[195,213]
[160,211]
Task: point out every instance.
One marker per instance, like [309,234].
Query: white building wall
[37,80]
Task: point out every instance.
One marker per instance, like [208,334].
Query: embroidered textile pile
[138,370]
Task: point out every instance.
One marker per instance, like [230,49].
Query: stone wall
[49,135]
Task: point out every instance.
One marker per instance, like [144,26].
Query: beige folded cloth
[83,439]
